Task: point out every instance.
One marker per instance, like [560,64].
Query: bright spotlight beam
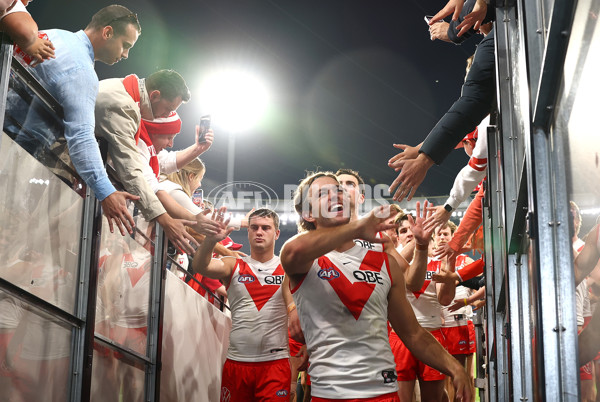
[237,100]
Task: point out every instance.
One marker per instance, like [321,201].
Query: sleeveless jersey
[342,304]
[368,245]
[425,304]
[450,317]
[133,296]
[258,311]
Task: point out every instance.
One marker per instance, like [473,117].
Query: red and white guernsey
[134,293]
[258,311]
[425,303]
[342,304]
[368,245]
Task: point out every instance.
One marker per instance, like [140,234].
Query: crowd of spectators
[422,338]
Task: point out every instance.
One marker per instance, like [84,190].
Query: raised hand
[374,223]
[439,31]
[206,225]
[408,153]
[445,276]
[474,18]
[457,304]
[410,177]
[420,233]
[453,7]
[438,217]
[209,137]
[218,218]
[175,230]
[114,207]
[446,251]
[40,50]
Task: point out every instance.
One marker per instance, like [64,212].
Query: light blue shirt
[73,82]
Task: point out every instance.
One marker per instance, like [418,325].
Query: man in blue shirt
[72,81]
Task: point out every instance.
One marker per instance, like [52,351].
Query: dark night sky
[348,78]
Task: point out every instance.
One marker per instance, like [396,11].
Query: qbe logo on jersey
[274,279]
[368,276]
[328,273]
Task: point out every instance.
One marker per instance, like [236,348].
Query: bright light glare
[236,100]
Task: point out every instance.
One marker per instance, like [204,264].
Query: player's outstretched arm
[298,253]
[418,340]
[203,262]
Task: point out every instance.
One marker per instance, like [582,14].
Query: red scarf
[132,87]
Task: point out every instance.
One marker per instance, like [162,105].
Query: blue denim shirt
[72,80]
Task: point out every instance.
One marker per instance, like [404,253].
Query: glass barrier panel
[35,354]
[575,122]
[114,378]
[40,226]
[124,284]
[39,131]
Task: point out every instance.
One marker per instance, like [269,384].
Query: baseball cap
[229,243]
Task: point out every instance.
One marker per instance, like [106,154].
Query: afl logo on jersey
[328,273]
[282,392]
[245,278]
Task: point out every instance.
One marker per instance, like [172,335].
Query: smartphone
[428,18]
[204,126]
[198,197]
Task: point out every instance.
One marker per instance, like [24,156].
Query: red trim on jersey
[293,290]
[354,295]
[135,273]
[432,266]
[387,266]
[259,293]
[237,263]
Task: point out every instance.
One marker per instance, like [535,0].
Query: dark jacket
[476,100]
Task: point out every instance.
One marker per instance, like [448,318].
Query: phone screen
[204,126]
[198,197]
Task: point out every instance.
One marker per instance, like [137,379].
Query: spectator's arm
[23,30]
[418,340]
[298,254]
[117,124]
[203,262]
[183,199]
[5,4]
[472,174]
[475,102]
[471,270]
[469,223]
[77,96]
[190,153]
[445,290]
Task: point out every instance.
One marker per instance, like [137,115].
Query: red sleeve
[211,284]
[471,271]
[469,223]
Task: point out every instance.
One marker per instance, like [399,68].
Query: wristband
[466,304]
[421,246]
[291,307]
